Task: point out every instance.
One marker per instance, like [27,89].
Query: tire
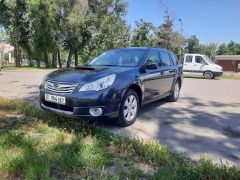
[208,75]
[175,93]
[128,112]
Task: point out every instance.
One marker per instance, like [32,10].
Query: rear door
[188,63]
[167,71]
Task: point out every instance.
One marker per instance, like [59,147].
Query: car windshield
[119,57]
[209,61]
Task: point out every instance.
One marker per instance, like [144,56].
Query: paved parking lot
[205,120]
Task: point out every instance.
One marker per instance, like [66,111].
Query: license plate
[55,99]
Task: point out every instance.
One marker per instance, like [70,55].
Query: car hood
[83,74]
[217,66]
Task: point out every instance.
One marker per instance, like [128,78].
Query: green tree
[13,19]
[222,50]
[77,30]
[232,48]
[41,15]
[211,50]
[193,45]
[143,34]
[166,37]
[108,28]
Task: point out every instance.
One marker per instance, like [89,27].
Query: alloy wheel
[130,108]
[208,75]
[176,90]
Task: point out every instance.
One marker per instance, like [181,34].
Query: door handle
[162,73]
[194,65]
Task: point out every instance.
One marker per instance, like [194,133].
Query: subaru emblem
[56,85]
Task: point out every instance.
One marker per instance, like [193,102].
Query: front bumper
[217,74]
[78,104]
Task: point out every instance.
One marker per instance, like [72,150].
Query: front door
[151,78]
[199,64]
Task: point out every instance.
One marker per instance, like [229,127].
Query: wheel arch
[137,89]
[210,72]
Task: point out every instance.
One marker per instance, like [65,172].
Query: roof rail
[158,47]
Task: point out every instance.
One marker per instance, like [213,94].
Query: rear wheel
[129,109]
[208,75]
[175,94]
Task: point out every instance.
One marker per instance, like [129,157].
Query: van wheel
[208,75]
[128,109]
[175,93]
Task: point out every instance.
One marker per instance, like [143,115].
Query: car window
[154,57]
[199,59]
[189,59]
[119,57]
[165,59]
[174,59]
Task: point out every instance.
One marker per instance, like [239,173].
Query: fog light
[95,111]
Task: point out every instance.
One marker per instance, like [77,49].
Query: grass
[35,144]
[224,76]
[231,76]
[22,68]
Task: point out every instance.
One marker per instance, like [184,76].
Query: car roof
[194,54]
[145,48]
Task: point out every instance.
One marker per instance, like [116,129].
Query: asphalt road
[205,120]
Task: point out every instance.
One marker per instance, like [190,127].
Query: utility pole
[182,29]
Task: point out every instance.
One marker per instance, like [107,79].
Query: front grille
[60,87]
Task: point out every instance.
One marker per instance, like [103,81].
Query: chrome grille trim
[60,87]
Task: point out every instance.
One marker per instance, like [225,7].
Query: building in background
[6,48]
[229,62]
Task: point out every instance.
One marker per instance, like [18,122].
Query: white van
[201,65]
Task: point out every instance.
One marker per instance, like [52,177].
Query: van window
[199,59]
[189,59]
[166,61]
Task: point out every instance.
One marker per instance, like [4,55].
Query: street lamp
[182,29]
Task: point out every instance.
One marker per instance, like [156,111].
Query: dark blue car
[114,85]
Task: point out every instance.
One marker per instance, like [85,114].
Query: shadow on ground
[191,128]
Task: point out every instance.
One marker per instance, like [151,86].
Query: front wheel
[128,109]
[208,75]
[175,93]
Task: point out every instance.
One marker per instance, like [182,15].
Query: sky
[210,20]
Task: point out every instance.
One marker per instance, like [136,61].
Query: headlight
[218,69]
[98,85]
[44,79]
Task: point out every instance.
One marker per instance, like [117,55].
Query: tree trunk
[46,59]
[69,61]
[54,59]
[38,63]
[29,56]
[76,57]
[17,54]
[59,58]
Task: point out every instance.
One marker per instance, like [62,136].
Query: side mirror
[152,65]
[87,62]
